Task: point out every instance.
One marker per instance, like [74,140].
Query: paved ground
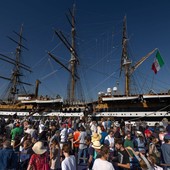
[82,167]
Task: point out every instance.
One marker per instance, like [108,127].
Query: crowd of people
[55,143]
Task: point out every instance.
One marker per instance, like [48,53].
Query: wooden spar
[20,65]
[17,43]
[6,78]
[59,62]
[25,83]
[133,68]
[19,35]
[69,20]
[14,60]
[65,42]
[72,49]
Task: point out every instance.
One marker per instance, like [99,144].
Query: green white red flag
[158,63]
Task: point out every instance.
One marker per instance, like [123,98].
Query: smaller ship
[131,106]
[15,99]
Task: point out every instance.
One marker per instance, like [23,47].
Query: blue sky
[99,28]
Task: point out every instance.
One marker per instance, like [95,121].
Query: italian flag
[158,63]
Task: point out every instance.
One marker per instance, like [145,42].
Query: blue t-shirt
[8,159]
[103,134]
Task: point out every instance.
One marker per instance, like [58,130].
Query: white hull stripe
[98,114]
[133,114]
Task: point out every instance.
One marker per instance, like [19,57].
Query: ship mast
[73,62]
[16,71]
[125,62]
[15,80]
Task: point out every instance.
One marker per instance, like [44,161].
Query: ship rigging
[16,84]
[75,91]
[132,105]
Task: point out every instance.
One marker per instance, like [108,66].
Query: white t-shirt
[93,128]
[82,142]
[63,135]
[109,141]
[104,124]
[69,163]
[100,164]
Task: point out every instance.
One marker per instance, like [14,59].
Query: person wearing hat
[93,147]
[94,152]
[97,145]
[102,163]
[95,137]
[39,160]
[165,148]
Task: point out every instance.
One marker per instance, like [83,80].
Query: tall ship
[15,100]
[74,105]
[151,106]
[130,106]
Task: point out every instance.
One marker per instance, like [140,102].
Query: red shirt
[38,161]
[75,137]
[147,133]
